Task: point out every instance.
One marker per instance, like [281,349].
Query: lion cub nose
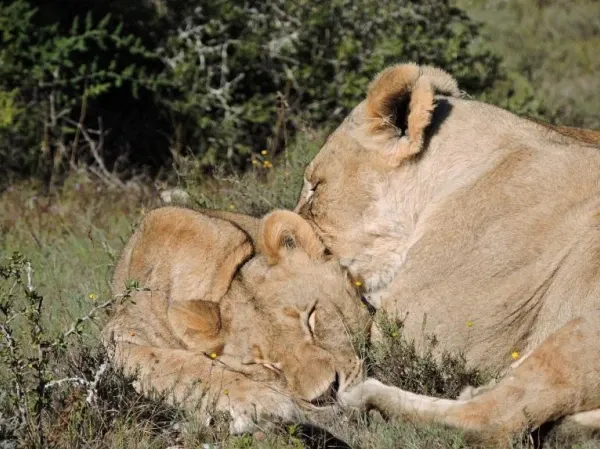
[330,394]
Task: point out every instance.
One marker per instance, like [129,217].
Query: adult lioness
[229,329]
[475,225]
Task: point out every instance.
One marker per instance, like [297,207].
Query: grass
[72,240]
[553,45]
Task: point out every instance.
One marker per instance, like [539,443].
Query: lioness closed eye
[251,327]
[479,227]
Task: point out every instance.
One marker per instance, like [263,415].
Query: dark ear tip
[288,241]
[287,229]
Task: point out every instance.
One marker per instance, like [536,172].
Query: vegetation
[118,88]
[103,104]
[549,54]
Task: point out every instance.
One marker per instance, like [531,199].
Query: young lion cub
[234,309]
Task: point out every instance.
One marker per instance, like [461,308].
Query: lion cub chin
[232,308]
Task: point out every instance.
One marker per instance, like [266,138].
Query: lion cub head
[309,306]
[273,307]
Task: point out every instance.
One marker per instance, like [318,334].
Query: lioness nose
[303,208]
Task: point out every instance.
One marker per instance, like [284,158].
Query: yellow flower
[469,323]
[232,206]
[267,164]
[264,152]
[213,355]
[395,334]
[515,355]
[92,296]
[358,283]
[254,162]
[225,392]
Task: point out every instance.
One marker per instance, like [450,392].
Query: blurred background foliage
[122,88]
[549,51]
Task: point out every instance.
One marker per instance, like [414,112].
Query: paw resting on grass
[359,396]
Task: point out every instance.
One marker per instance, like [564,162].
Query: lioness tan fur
[477,226]
[225,327]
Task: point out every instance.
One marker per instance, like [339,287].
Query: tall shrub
[250,72]
[119,86]
[50,76]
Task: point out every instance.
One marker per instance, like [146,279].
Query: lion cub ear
[197,323]
[282,230]
[398,109]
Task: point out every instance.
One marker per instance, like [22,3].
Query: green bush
[124,87]
[119,86]
[549,51]
[50,76]
[30,354]
[251,72]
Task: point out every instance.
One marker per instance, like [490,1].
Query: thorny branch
[92,385]
[21,398]
[96,147]
[31,375]
[74,329]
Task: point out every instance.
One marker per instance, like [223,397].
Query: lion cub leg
[560,378]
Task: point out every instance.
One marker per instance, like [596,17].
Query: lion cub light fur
[454,211]
[241,315]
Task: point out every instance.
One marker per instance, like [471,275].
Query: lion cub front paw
[360,395]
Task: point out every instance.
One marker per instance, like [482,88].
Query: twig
[75,143]
[29,271]
[95,148]
[74,328]
[285,15]
[224,68]
[74,380]
[12,288]
[92,392]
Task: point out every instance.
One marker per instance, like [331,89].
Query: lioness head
[287,311]
[350,189]
[370,190]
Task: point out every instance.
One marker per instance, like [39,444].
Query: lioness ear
[282,230]
[399,106]
[197,324]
